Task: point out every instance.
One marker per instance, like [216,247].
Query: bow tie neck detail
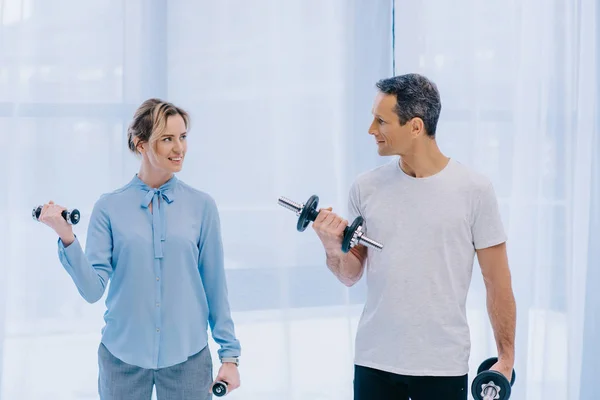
[156,197]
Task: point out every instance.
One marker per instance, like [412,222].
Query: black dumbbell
[491,385]
[71,216]
[219,389]
[308,212]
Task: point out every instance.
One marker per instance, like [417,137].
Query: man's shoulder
[469,177]
[376,173]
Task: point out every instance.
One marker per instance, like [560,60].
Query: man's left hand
[504,367]
[229,373]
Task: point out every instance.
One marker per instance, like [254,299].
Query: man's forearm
[347,267]
[502,310]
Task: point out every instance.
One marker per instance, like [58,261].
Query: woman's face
[170,147]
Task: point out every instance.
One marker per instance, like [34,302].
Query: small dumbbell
[71,216]
[308,212]
[491,385]
[219,389]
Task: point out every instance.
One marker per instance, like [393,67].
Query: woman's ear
[139,145]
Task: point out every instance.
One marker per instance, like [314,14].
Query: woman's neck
[152,177]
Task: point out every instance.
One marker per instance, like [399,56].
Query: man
[433,215]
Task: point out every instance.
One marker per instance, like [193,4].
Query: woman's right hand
[51,215]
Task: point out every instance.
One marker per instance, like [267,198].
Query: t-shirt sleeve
[354,203]
[487,229]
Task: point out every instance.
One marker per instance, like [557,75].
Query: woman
[158,241]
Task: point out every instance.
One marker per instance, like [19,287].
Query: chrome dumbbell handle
[290,205]
[362,239]
[490,391]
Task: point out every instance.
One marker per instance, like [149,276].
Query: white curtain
[280,96]
[520,97]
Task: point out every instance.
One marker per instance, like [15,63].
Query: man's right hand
[51,215]
[330,229]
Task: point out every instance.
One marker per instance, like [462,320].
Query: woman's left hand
[229,374]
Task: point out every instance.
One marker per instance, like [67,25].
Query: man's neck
[424,160]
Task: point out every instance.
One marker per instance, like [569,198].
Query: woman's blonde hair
[149,122]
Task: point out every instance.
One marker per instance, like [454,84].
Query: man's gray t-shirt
[414,320]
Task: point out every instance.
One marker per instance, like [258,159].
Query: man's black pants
[373,384]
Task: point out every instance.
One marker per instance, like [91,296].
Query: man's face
[391,137]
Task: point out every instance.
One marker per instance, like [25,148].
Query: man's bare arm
[501,303]
[347,267]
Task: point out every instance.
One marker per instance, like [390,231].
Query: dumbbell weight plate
[36,212]
[73,217]
[309,213]
[219,389]
[349,234]
[484,378]
[487,364]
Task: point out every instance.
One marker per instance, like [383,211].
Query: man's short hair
[416,96]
